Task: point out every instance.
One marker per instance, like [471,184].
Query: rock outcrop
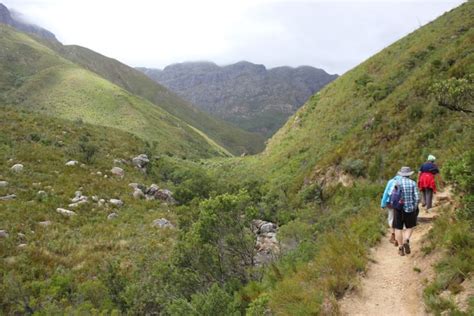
[267,246]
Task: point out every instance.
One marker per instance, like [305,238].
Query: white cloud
[334,35]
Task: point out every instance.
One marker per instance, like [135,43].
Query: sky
[332,35]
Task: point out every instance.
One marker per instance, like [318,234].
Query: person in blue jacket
[384,205]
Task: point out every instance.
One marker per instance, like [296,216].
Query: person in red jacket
[426,181]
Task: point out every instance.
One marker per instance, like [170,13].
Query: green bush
[354,167]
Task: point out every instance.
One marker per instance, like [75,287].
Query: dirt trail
[383,290]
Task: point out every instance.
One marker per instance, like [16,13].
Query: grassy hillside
[326,168]
[384,113]
[320,180]
[233,139]
[34,77]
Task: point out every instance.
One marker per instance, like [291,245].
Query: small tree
[455,94]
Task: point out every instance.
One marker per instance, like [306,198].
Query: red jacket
[426,180]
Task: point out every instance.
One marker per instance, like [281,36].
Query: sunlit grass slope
[36,78]
[234,139]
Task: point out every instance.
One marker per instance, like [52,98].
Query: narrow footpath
[393,284]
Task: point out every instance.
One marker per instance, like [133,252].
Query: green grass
[75,250]
[381,112]
[226,135]
[365,125]
[36,78]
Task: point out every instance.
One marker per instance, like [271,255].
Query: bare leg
[407,234]
[399,236]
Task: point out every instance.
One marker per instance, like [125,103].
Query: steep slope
[7,18]
[328,165]
[391,110]
[245,94]
[232,138]
[36,78]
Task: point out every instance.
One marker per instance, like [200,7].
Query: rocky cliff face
[7,18]
[246,94]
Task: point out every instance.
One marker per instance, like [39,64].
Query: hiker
[426,181]
[404,199]
[385,204]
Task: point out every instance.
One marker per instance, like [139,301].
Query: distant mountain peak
[245,94]
[6,17]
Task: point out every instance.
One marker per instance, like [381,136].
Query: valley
[119,197]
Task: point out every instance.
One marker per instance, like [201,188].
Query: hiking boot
[392,239]
[406,247]
[400,251]
[396,243]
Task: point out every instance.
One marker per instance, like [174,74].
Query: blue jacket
[388,191]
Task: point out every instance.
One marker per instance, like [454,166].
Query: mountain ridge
[246,94]
[7,18]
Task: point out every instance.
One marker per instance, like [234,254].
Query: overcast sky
[333,35]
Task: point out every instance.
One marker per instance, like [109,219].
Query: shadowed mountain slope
[245,94]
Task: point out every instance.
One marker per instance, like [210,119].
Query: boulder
[267,228]
[79,198]
[165,195]
[117,171]
[162,223]
[3,184]
[71,163]
[41,193]
[116,202]
[17,168]
[65,212]
[138,194]
[45,223]
[3,234]
[112,216]
[8,197]
[21,235]
[22,246]
[140,161]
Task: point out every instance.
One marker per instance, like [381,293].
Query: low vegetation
[319,180]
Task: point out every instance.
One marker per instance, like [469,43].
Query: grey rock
[3,234]
[112,216]
[162,223]
[17,168]
[22,246]
[141,161]
[117,171]
[71,163]
[267,228]
[116,202]
[65,212]
[3,184]
[138,194]
[41,193]
[45,223]
[8,197]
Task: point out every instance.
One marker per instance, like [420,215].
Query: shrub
[354,167]
[88,151]
[455,94]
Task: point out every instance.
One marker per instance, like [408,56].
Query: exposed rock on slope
[249,95]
